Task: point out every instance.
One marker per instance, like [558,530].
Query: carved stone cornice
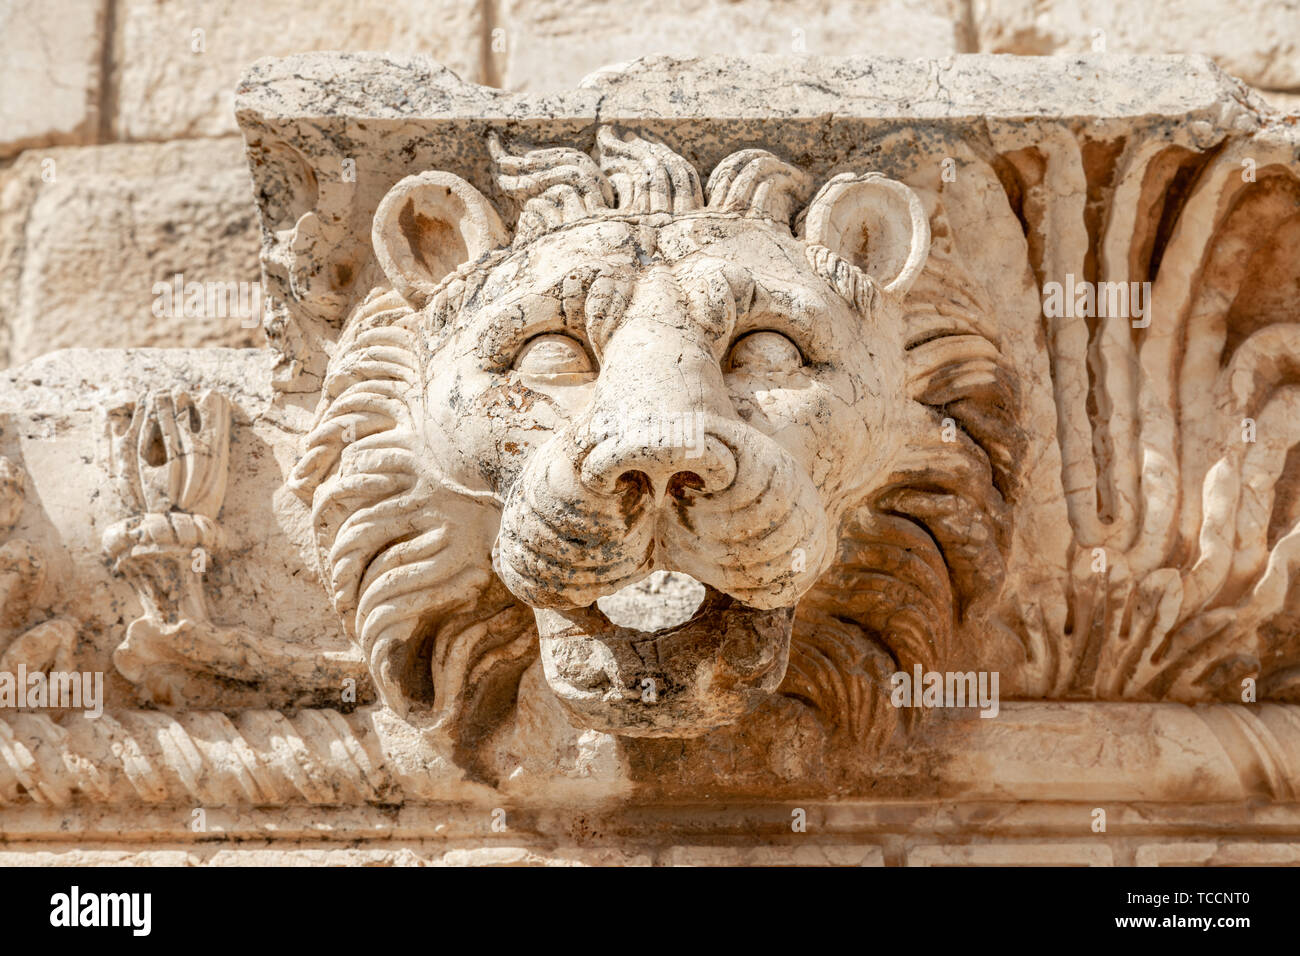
[978,367]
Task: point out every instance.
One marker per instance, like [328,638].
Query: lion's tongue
[682,680]
[662,600]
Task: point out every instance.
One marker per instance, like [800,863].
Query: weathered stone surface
[542,45]
[82,254]
[961,389]
[51,54]
[1256,40]
[179,60]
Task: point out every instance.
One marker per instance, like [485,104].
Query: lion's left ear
[427,226]
[875,223]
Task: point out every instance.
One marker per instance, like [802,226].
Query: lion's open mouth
[667,656]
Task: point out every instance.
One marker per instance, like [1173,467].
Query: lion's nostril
[633,488]
[638,465]
[683,482]
[632,481]
[632,485]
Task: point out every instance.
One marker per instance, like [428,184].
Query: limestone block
[784,855]
[1256,40]
[539,856]
[544,45]
[92,240]
[180,60]
[1014,854]
[51,53]
[1224,853]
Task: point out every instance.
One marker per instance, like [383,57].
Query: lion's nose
[662,464]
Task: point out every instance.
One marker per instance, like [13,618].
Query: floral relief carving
[169,454]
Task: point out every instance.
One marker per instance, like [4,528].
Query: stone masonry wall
[121,167]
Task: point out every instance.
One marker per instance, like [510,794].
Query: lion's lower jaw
[681,681]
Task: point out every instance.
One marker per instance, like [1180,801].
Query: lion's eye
[763,352]
[558,359]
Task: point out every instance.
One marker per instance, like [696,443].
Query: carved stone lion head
[719,380]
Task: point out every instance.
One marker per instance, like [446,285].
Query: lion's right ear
[876,223]
[429,225]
